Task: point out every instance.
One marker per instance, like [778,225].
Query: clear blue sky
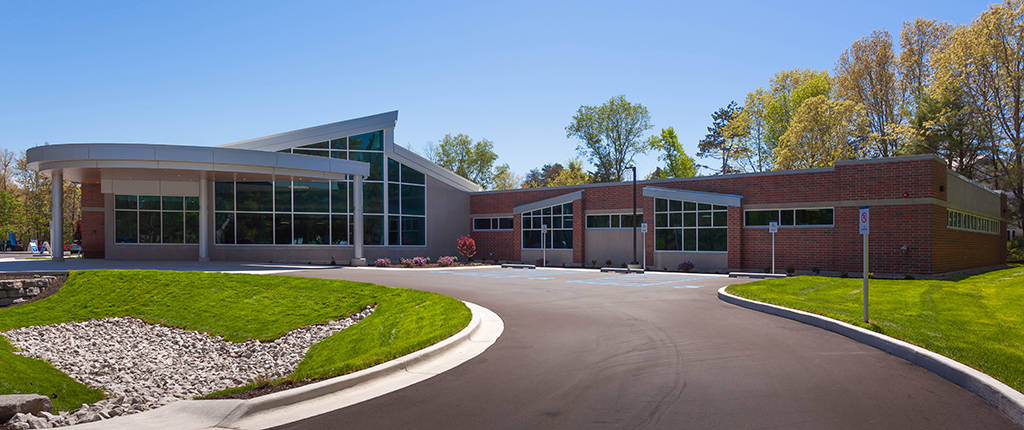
[209,73]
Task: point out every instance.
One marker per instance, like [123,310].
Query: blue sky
[209,73]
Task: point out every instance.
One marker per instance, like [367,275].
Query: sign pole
[773,227]
[864,217]
[643,228]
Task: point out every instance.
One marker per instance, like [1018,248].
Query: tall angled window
[690,226]
[559,220]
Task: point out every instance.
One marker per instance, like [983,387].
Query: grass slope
[238,307]
[978,321]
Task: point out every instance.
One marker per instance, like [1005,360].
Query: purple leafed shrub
[420,261]
[406,262]
[686,266]
[447,261]
[382,262]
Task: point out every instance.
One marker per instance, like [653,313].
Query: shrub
[608,263]
[467,247]
[843,274]
[908,277]
[871,275]
[382,262]
[447,261]
[420,261]
[1015,249]
[541,262]
[406,262]
[686,266]
[593,263]
[767,269]
[816,270]
[790,269]
[623,265]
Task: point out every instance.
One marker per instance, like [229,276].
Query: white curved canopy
[91,162]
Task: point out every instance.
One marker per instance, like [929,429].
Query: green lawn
[978,321]
[238,307]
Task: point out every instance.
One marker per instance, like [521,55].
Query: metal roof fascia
[557,200]
[695,196]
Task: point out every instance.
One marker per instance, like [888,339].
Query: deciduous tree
[866,74]
[750,128]
[506,179]
[677,163]
[572,174]
[458,153]
[822,132]
[611,135]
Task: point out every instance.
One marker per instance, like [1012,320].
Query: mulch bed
[46,292]
[433,265]
[264,390]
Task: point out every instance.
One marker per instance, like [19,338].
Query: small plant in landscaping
[767,269]
[908,277]
[686,266]
[447,261]
[382,262]
[406,262]
[623,265]
[790,269]
[871,275]
[542,262]
[608,263]
[817,271]
[420,261]
[467,247]
[843,274]
[593,263]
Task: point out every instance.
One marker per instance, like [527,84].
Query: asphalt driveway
[583,349]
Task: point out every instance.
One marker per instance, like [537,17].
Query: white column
[57,223]
[204,220]
[357,235]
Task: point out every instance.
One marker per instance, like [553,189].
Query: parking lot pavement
[584,349]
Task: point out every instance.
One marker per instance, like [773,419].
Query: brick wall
[93,232]
[916,224]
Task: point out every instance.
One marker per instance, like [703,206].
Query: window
[156,219]
[559,221]
[500,223]
[690,226]
[321,212]
[964,221]
[613,221]
[821,217]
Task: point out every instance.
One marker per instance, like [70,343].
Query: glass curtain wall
[320,212]
[690,226]
[156,219]
[559,220]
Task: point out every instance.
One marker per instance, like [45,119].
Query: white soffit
[320,133]
[111,156]
[564,198]
[693,196]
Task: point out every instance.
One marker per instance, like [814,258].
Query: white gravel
[141,366]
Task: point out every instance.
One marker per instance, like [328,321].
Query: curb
[1007,400]
[308,392]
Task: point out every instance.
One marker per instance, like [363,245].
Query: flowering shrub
[466,246]
[447,261]
[420,261]
[382,262]
[406,262]
[686,266]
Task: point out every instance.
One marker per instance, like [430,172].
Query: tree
[458,153]
[611,136]
[573,174]
[506,179]
[787,91]
[951,129]
[8,162]
[920,40]
[866,74]
[721,142]
[10,211]
[542,177]
[677,163]
[984,61]
[822,132]
[750,128]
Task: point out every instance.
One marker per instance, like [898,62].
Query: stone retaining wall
[14,291]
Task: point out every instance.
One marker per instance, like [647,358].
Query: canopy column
[57,221]
[357,236]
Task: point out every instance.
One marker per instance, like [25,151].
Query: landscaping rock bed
[15,290]
[142,366]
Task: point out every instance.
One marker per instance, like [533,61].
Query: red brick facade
[93,232]
[908,218]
